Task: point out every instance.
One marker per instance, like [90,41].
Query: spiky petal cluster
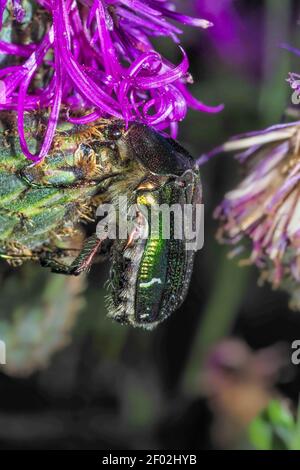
[265,208]
[100,61]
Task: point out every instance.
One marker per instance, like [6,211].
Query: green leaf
[260,434]
[280,415]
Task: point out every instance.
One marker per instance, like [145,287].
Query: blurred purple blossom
[293,78]
[232,31]
[103,64]
[265,208]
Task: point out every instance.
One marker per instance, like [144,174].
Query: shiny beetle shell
[149,279]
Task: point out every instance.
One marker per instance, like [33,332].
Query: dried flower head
[97,59]
[265,207]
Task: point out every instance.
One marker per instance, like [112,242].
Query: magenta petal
[103,64]
[16,49]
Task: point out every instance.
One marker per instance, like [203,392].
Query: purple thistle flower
[265,207]
[103,64]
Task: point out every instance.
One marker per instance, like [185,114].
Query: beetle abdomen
[150,278]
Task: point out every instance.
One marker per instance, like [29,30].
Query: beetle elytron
[43,206]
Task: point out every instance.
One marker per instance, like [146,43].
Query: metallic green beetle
[43,208]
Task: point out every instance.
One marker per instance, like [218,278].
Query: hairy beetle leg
[47,261]
[81,263]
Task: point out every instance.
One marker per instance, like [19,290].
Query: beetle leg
[136,231]
[81,263]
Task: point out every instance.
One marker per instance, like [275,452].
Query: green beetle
[43,208]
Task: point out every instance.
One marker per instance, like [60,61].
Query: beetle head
[160,155]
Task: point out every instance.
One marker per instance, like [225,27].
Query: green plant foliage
[276,428]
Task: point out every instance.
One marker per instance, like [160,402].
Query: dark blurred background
[76,380]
